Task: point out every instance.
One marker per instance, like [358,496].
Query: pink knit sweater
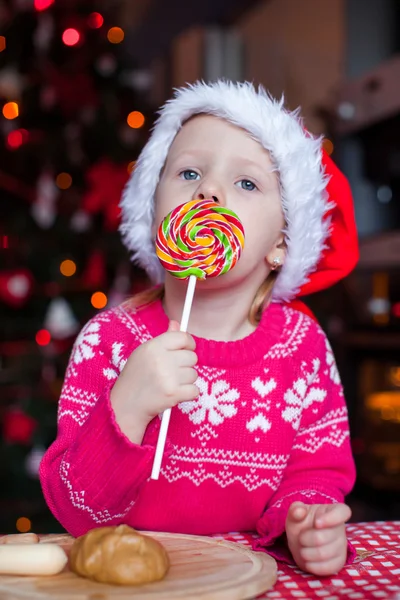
[269,427]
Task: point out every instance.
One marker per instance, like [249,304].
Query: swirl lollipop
[200,239]
[196,240]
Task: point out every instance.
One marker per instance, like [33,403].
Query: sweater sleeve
[92,473]
[320,469]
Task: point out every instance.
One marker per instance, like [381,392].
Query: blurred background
[80,82]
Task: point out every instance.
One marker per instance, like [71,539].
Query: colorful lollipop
[196,240]
[200,238]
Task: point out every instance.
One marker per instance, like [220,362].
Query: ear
[275,258]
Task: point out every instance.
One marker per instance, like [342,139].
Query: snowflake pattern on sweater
[269,427]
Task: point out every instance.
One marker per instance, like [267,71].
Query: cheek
[166,198]
[262,228]
[161,207]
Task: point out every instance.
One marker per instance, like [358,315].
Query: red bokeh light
[43,337]
[95,20]
[42,4]
[396,309]
[71,37]
[15,139]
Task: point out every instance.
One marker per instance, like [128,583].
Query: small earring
[276,263]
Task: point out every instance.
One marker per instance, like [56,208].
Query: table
[374,574]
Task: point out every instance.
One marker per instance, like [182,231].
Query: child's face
[210,158]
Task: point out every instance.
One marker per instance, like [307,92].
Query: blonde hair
[261,300]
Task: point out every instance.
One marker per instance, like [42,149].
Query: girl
[258,437]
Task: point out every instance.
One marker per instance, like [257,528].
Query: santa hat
[320,234]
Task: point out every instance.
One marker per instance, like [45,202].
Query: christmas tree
[73,121]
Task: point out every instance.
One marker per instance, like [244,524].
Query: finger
[297,512]
[320,537]
[173,326]
[187,358]
[322,553]
[187,376]
[179,340]
[333,515]
[329,567]
[186,393]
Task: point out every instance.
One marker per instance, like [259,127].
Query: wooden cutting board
[201,567]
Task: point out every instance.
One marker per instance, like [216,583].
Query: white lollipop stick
[162,436]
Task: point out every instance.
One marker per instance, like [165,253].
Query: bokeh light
[396,309]
[328,146]
[23,524]
[64,181]
[11,110]
[16,138]
[2,43]
[135,119]
[99,300]
[71,37]
[115,35]
[68,268]
[43,337]
[131,166]
[42,4]
[95,20]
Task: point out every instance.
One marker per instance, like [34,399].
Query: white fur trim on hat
[296,154]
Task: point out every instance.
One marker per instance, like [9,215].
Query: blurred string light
[328,146]
[23,524]
[11,110]
[99,300]
[2,43]
[384,194]
[63,181]
[16,138]
[71,37]
[379,305]
[43,337]
[395,376]
[68,268]
[115,35]
[135,119]
[131,166]
[106,65]
[95,20]
[396,310]
[42,4]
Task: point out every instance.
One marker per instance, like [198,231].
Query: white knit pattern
[225,467]
[296,154]
[227,436]
[77,498]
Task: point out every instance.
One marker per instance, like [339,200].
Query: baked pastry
[119,555]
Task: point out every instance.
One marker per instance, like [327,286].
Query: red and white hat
[321,233]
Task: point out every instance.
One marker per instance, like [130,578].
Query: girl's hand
[159,374]
[316,536]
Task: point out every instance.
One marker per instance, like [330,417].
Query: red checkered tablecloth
[374,574]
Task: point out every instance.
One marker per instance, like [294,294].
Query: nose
[202,197]
[208,191]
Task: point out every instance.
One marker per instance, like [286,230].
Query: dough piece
[119,555]
[32,559]
[20,538]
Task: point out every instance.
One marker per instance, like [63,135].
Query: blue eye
[247,185]
[189,175]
